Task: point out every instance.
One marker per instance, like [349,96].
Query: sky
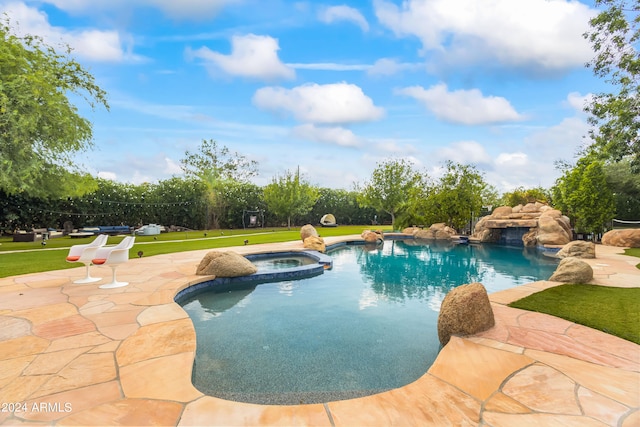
[333,88]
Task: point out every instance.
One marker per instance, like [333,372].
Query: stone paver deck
[79,355]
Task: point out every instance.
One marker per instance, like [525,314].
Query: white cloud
[578,101]
[183,9]
[533,34]
[330,66]
[517,160]
[332,135]
[165,111]
[519,169]
[252,56]
[390,66]
[172,167]
[326,104]
[111,176]
[99,45]
[533,164]
[343,13]
[559,142]
[464,152]
[467,107]
[394,147]
[91,44]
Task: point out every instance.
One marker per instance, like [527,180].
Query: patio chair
[113,256]
[84,254]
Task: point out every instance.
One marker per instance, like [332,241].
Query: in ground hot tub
[288,260]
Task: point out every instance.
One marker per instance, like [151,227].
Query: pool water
[367,325]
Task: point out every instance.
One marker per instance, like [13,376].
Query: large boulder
[551,231]
[502,212]
[572,270]
[465,310]
[225,264]
[372,236]
[531,207]
[308,231]
[578,249]
[626,238]
[315,243]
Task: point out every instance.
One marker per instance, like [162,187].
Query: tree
[217,168]
[290,196]
[614,35]
[219,161]
[582,193]
[458,195]
[343,204]
[522,196]
[595,200]
[393,185]
[40,129]
[241,196]
[625,187]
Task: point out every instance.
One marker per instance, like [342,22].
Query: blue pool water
[367,325]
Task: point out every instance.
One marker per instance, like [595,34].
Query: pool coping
[124,357]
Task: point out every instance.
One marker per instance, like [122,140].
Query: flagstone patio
[80,355]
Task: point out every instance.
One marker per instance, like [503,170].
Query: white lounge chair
[113,256]
[84,254]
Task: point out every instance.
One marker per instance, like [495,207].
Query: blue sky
[334,87]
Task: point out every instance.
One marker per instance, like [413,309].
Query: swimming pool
[366,326]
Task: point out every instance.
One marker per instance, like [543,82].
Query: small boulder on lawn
[465,310]
[572,270]
[578,249]
[225,264]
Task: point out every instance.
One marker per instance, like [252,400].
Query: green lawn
[633,252]
[33,257]
[615,311]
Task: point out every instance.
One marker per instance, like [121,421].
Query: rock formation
[315,243]
[578,249]
[225,264]
[465,310]
[572,270]
[411,230]
[547,226]
[438,231]
[308,231]
[626,238]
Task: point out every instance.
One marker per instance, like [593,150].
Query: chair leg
[88,278]
[114,283]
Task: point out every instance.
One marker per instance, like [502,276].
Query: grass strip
[615,311]
[33,258]
[633,252]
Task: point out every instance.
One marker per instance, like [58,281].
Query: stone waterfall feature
[529,225]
